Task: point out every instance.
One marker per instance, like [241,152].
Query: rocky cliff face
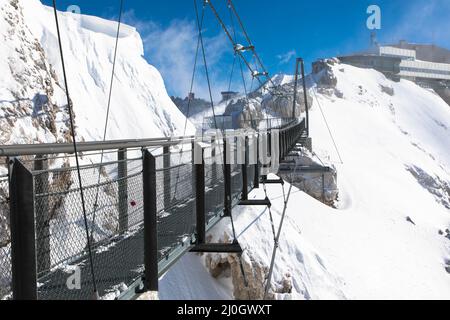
[30,100]
[192,107]
[444,93]
[30,108]
[322,186]
[248,281]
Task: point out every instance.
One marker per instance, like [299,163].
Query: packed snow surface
[386,238]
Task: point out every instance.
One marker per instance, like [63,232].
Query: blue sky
[280,30]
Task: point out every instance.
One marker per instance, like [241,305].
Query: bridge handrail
[60,148]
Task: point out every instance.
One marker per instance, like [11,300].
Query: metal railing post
[256,177]
[305,96]
[23,246]
[193,168]
[150,223]
[213,160]
[294,107]
[244,172]
[227,179]
[282,145]
[42,215]
[200,199]
[122,171]
[167,178]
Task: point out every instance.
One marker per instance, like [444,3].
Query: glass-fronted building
[409,61]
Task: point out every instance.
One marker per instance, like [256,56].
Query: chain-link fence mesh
[236,181]
[5,240]
[214,185]
[175,195]
[114,202]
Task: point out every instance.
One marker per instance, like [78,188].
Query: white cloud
[287,57]
[425,21]
[171,49]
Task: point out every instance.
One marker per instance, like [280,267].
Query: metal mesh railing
[175,191]
[250,176]
[114,199]
[214,186]
[5,242]
[114,214]
[270,123]
[236,183]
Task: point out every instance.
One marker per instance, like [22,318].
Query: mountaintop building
[426,64]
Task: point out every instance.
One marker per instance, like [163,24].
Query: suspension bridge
[124,219]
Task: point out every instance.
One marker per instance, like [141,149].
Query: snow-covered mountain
[273,99]
[32,100]
[389,236]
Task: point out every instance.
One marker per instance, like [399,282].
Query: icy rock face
[191,107]
[29,91]
[387,89]
[249,110]
[256,273]
[444,93]
[249,285]
[439,188]
[321,186]
[140,105]
[325,78]
[29,111]
[281,105]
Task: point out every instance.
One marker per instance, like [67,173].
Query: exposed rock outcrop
[32,87]
[320,185]
[191,106]
[439,188]
[325,78]
[248,282]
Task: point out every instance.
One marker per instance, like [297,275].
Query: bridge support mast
[150,223]
[23,249]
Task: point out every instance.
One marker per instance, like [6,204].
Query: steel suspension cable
[204,60]
[277,238]
[326,122]
[72,129]
[233,8]
[235,54]
[270,212]
[190,98]
[241,55]
[231,74]
[193,75]
[241,264]
[107,117]
[233,28]
[215,120]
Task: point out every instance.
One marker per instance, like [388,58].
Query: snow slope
[369,240]
[386,239]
